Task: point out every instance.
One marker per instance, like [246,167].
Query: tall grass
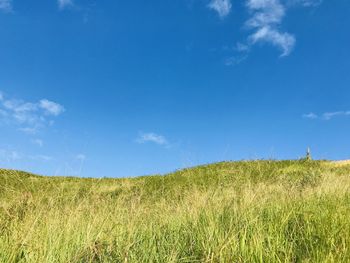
[259,211]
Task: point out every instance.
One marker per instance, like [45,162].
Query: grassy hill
[256,211]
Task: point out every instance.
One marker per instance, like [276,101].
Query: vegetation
[256,211]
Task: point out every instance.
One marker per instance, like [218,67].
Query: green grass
[257,211]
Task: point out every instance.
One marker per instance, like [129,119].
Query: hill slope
[258,211]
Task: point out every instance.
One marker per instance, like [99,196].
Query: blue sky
[127,88]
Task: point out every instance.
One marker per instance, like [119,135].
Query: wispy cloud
[306,3]
[153,138]
[51,108]
[327,115]
[240,47]
[310,115]
[267,15]
[264,25]
[235,60]
[62,4]
[241,52]
[29,117]
[222,7]
[331,115]
[6,5]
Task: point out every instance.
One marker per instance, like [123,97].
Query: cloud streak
[27,116]
[152,138]
[327,115]
[310,115]
[331,115]
[222,7]
[306,3]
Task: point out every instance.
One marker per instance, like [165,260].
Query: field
[249,211]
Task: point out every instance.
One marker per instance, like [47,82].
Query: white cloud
[51,108]
[6,5]
[284,41]
[22,113]
[265,12]
[267,15]
[19,106]
[327,115]
[331,115]
[266,18]
[62,4]
[306,3]
[310,115]
[153,138]
[29,117]
[222,7]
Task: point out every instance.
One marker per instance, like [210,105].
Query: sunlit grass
[259,211]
